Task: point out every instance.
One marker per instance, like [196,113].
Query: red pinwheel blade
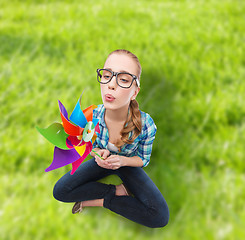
[72,141]
[97,128]
[78,162]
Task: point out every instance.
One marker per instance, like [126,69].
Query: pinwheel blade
[97,128]
[88,112]
[55,134]
[62,158]
[73,141]
[77,163]
[93,138]
[70,128]
[95,122]
[80,149]
[77,116]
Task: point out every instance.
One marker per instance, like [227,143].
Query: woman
[125,144]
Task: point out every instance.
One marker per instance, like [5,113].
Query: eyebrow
[119,70]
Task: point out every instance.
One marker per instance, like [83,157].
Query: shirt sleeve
[146,143]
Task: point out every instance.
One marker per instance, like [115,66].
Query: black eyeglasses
[123,79]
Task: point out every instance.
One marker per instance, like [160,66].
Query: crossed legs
[147,207]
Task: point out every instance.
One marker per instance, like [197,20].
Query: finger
[112,160]
[110,157]
[99,161]
[115,167]
[101,155]
[97,158]
[102,163]
[105,154]
[106,163]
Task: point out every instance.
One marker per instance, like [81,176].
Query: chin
[108,105]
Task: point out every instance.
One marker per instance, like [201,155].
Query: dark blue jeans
[147,207]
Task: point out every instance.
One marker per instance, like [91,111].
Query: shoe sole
[77,208]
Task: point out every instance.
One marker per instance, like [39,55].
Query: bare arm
[134,161]
[116,161]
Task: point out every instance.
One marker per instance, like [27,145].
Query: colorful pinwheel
[73,138]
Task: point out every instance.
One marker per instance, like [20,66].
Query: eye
[124,80]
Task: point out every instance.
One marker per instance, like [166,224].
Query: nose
[113,83]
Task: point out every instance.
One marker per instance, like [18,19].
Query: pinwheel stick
[97,154]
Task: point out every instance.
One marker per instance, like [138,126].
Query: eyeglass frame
[116,74]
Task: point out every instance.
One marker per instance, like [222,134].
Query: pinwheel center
[88,132]
[80,137]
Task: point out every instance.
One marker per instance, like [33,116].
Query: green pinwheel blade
[55,134]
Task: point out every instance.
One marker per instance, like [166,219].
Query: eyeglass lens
[123,79]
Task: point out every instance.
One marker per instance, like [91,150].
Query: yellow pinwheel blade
[80,149]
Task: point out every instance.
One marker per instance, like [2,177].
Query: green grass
[192,85]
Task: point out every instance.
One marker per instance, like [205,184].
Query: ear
[135,93]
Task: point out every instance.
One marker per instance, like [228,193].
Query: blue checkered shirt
[142,145]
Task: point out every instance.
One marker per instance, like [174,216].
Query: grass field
[192,84]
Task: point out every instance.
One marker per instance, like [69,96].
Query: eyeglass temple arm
[137,81]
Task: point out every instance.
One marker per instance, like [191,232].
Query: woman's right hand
[103,163]
[103,153]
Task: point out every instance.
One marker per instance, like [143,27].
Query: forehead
[121,62]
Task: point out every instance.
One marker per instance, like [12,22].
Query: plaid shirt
[142,145]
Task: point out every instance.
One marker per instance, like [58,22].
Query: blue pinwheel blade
[95,121]
[78,117]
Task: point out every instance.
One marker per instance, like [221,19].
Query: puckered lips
[109,97]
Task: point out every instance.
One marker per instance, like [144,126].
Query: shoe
[125,189]
[77,208]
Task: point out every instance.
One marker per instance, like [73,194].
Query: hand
[103,163]
[115,161]
[104,153]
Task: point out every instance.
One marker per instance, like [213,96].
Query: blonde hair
[133,120]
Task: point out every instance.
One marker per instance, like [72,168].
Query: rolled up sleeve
[146,143]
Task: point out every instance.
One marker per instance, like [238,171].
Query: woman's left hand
[116,161]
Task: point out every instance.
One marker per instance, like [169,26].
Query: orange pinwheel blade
[88,112]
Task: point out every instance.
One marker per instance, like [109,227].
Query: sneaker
[77,208]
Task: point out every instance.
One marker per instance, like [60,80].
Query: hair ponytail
[133,123]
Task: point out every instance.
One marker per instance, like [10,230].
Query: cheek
[125,93]
[102,88]
[102,91]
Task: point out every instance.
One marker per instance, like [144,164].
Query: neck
[116,115]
